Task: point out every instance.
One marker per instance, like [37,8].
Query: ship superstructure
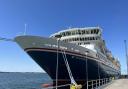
[84,49]
[90,38]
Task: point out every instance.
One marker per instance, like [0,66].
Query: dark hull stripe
[60,51]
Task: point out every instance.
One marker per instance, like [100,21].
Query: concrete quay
[117,84]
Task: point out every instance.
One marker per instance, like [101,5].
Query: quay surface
[117,84]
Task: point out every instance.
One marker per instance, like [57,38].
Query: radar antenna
[6,39]
[25,30]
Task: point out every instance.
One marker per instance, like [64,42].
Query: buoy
[47,85]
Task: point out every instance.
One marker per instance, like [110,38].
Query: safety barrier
[95,84]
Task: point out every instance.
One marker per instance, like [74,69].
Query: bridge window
[93,38]
[91,31]
[77,39]
[97,31]
[87,32]
[82,39]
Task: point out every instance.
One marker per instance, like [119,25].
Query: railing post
[102,81]
[96,84]
[87,84]
[99,82]
[92,84]
[106,80]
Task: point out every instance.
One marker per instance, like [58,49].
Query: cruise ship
[77,52]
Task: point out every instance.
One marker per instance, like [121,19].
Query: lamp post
[86,68]
[57,61]
[125,42]
[99,71]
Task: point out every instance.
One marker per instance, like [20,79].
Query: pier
[117,84]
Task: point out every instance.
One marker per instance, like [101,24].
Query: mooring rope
[57,86]
[6,39]
[68,68]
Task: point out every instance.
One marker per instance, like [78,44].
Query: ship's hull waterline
[46,56]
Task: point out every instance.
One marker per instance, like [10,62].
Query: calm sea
[23,80]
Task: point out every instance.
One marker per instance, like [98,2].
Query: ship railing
[96,84]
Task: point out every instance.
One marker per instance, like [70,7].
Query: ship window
[63,34]
[87,32]
[87,43]
[68,33]
[73,32]
[75,39]
[79,32]
[90,38]
[93,38]
[97,31]
[82,31]
[82,39]
[91,31]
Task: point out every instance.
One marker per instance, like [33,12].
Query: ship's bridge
[88,37]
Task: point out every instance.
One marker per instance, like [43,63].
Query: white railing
[96,84]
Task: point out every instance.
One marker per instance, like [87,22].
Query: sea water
[23,80]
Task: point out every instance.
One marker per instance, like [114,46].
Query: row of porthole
[82,39]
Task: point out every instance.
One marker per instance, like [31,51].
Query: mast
[125,42]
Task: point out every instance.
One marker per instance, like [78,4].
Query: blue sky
[44,17]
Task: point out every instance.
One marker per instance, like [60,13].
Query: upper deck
[89,37]
[79,31]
